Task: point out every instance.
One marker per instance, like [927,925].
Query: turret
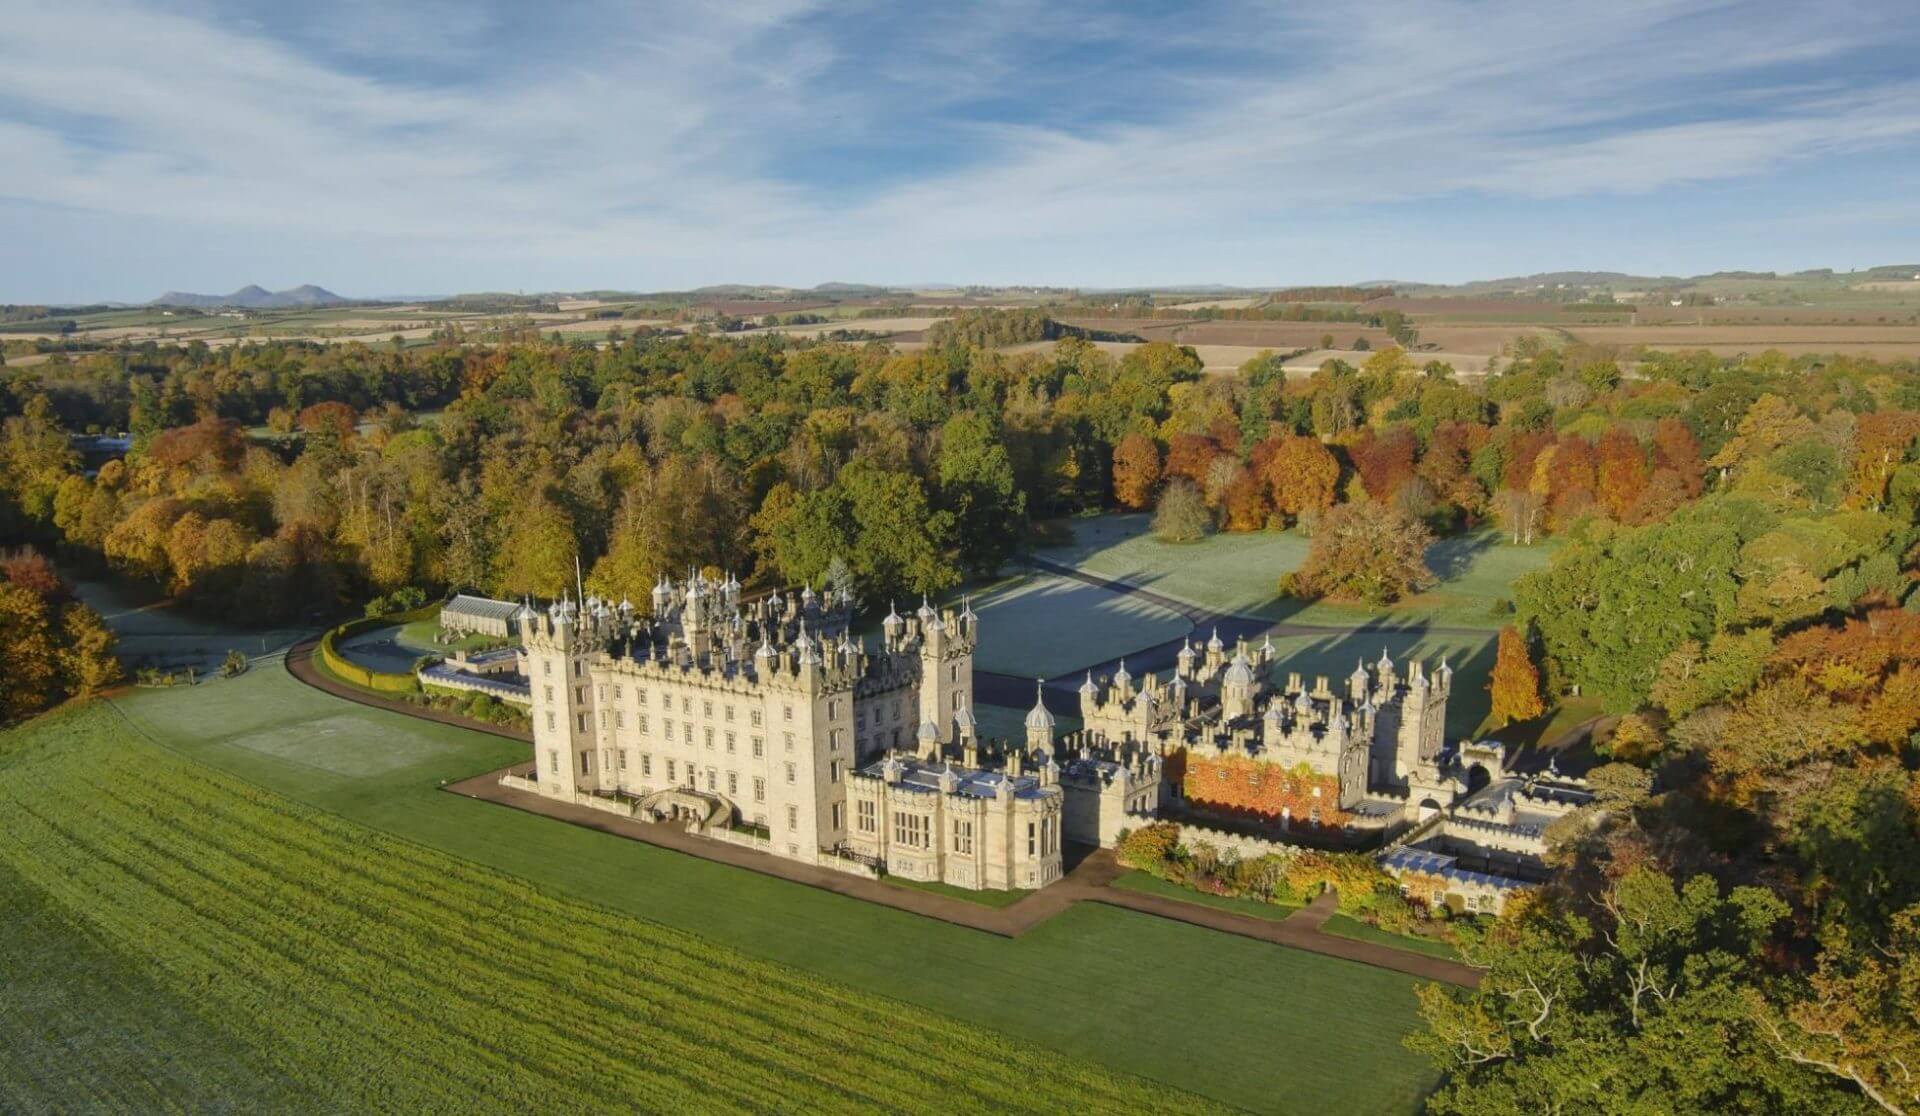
[1039,720]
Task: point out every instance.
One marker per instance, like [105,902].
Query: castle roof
[1038,717]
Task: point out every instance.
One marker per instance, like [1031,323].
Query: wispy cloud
[803,140]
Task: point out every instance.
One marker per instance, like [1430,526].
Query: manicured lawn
[1043,626]
[154,633]
[1071,986]
[1347,927]
[984,898]
[1153,885]
[1241,572]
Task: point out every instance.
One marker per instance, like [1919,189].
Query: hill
[252,297]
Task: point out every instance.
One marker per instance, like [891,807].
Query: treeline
[1331,294]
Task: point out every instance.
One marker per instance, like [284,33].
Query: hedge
[353,672]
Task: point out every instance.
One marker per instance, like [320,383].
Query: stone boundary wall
[745,840]
[850,867]
[520,783]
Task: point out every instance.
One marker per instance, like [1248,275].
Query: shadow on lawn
[1336,654]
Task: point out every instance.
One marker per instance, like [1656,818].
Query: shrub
[1182,515]
[234,664]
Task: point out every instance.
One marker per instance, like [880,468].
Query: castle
[769,723]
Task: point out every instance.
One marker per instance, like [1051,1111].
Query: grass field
[1241,573]
[154,633]
[311,945]
[1347,927]
[1043,626]
[1336,653]
[1072,987]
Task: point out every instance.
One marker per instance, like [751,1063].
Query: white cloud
[660,141]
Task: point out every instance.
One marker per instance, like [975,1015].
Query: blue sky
[394,148]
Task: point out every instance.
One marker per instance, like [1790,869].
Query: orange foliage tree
[1302,476]
[1136,470]
[1515,683]
[1190,456]
[1384,461]
[1622,471]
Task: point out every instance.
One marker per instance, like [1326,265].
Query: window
[759,747]
[553,761]
[603,718]
[786,712]
[953,673]
[546,668]
[549,693]
[616,691]
[667,723]
[586,763]
[582,720]
[671,777]
[713,780]
[709,737]
[909,830]
[793,817]
[729,743]
[789,737]
[833,708]
[833,740]
[863,815]
[756,718]
[686,706]
[729,712]
[646,764]
[790,773]
[606,759]
[963,836]
[639,695]
[623,759]
[706,709]
[837,808]
[733,785]
[643,724]
[956,701]
[602,691]
[686,732]
[550,724]
[576,668]
[619,718]
[759,790]
[1030,838]
[833,771]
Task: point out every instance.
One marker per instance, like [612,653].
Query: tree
[1368,552]
[976,485]
[1621,472]
[1638,1002]
[1136,470]
[1182,515]
[1515,683]
[1303,476]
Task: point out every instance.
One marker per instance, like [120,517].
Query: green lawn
[1153,885]
[155,633]
[1043,626]
[1240,573]
[1072,985]
[984,898]
[1348,927]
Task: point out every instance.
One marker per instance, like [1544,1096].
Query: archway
[1428,808]
[1477,778]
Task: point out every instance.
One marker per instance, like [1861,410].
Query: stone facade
[927,818]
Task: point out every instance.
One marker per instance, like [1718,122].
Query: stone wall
[1222,841]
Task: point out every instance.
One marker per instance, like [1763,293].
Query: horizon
[371,151]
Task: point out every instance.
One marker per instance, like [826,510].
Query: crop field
[1240,573]
[312,944]
[1042,626]
[1070,989]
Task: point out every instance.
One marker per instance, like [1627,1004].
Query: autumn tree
[1367,552]
[1136,470]
[1620,472]
[1515,683]
[1303,476]
[1182,514]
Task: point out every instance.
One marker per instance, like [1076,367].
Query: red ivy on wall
[1241,785]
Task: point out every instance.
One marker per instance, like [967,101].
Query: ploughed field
[307,962]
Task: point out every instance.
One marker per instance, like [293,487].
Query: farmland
[1072,987]
[308,942]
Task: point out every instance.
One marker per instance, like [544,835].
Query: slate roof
[482,608]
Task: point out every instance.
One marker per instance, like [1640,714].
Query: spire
[1038,717]
[1087,688]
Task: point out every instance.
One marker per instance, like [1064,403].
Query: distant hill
[254,298]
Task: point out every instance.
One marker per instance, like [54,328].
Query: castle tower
[946,669]
[1423,720]
[1237,689]
[559,646]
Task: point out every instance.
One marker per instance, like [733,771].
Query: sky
[381,147]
